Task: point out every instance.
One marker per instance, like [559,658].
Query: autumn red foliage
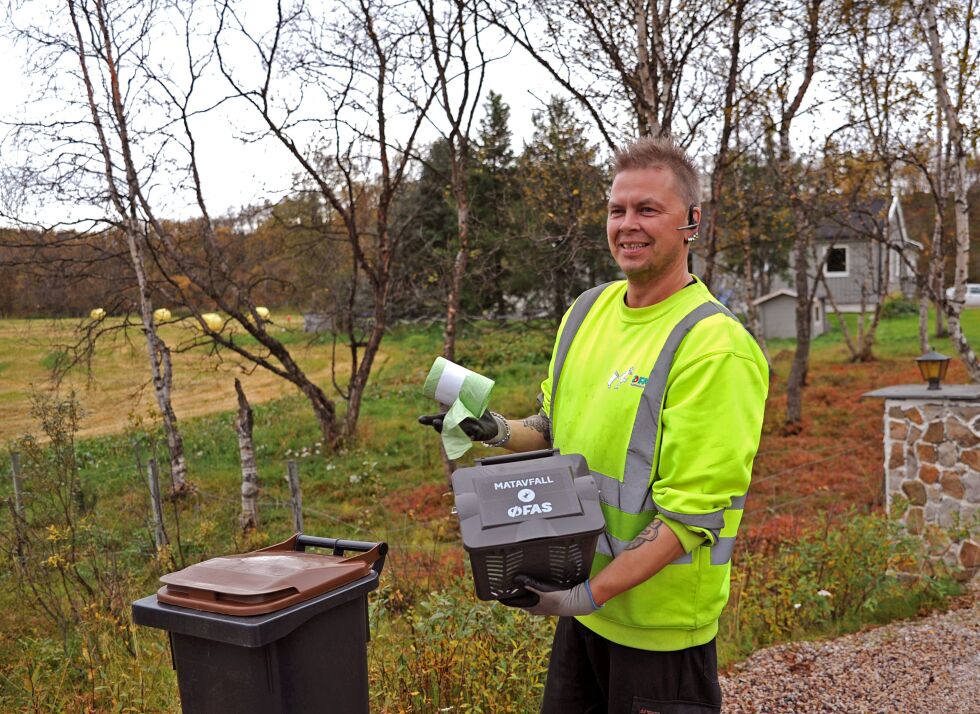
[835,463]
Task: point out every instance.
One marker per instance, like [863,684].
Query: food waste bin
[534,514]
[273,631]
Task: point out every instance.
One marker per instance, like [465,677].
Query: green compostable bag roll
[467,394]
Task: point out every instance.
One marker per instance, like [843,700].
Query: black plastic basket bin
[535,514]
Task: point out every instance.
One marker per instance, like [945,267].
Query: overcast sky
[237,174]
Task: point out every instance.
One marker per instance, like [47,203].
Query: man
[663,392]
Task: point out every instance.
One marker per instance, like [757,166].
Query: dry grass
[117,390]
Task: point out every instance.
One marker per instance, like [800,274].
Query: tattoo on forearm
[539,423]
[647,535]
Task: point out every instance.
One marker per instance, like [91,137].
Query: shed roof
[775,294]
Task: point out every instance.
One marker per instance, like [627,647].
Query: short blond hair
[661,152]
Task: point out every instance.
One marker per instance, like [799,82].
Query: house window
[836,262]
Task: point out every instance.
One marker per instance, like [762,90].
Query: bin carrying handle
[510,458]
[374,553]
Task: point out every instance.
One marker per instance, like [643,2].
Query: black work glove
[486,428]
[527,599]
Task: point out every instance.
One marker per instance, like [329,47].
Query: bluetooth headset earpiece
[691,223]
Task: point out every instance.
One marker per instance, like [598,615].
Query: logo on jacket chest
[627,377]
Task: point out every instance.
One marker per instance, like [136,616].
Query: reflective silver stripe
[646,425]
[576,317]
[685,559]
[713,522]
[608,488]
[623,497]
[610,545]
[721,552]
[633,494]
[614,493]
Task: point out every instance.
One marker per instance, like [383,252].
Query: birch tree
[722,159]
[627,64]
[874,54]
[244,422]
[337,87]
[96,56]
[455,57]
[145,146]
[965,76]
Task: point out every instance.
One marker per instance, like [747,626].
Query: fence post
[18,507]
[295,496]
[15,470]
[249,519]
[159,535]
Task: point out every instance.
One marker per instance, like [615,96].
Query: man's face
[641,226]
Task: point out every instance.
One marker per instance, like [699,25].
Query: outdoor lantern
[932,366]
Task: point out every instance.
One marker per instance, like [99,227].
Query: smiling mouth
[632,245]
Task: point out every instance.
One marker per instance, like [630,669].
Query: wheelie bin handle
[374,553]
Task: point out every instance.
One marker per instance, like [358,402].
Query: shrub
[76,580]
[851,570]
[899,306]
[452,652]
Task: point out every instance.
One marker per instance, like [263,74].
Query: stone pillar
[932,465]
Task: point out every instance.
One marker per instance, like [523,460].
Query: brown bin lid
[262,581]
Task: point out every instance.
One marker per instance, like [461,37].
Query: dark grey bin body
[535,514]
[310,657]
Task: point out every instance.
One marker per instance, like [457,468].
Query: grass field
[117,387]
[433,644]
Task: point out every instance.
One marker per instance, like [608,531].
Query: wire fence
[355,529]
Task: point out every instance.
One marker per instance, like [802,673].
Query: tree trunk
[845,330]
[295,495]
[923,316]
[359,380]
[205,282]
[934,282]
[937,255]
[721,158]
[462,253]
[801,357]
[793,184]
[648,102]
[557,294]
[954,306]
[160,364]
[866,339]
[249,519]
[751,309]
[159,534]
[323,409]
[175,442]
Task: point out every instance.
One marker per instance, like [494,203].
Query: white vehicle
[972,295]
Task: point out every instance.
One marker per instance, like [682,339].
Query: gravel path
[926,665]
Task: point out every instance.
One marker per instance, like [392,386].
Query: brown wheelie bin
[274,631]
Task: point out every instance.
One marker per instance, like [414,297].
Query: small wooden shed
[777,313]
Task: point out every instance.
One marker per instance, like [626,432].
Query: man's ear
[695,218]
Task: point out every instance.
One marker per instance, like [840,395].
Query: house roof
[859,222]
[775,294]
[862,222]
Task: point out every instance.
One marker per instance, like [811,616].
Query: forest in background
[409,199]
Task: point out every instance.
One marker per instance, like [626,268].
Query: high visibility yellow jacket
[666,404]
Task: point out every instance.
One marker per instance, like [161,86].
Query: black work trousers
[588,674]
